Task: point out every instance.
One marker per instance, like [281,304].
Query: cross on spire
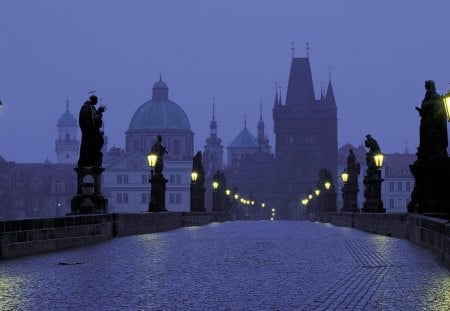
[214,106]
[293,49]
[67,105]
[307,49]
[260,109]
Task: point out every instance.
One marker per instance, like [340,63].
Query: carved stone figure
[160,151]
[433,125]
[90,120]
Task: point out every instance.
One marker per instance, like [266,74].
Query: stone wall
[433,233]
[32,236]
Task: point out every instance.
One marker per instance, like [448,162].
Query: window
[391,186]
[119,179]
[125,198]
[172,198]
[144,179]
[178,198]
[391,203]
[399,186]
[143,197]
[119,198]
[408,186]
[172,179]
[178,179]
[125,179]
[136,144]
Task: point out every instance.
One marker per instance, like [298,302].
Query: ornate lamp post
[373,180]
[215,196]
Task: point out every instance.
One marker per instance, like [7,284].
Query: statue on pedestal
[158,192]
[198,186]
[350,189]
[372,180]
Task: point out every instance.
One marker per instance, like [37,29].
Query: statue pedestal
[372,194]
[431,193]
[89,198]
[349,199]
[197,198]
[158,194]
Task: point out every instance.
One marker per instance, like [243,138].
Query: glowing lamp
[215,185]
[305,201]
[228,192]
[344,176]
[327,185]
[446,99]
[151,159]
[194,176]
[317,192]
[379,160]
[263,205]
[236,196]
[310,196]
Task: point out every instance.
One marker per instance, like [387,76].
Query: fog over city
[377,53]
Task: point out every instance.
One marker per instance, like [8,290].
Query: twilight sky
[380,53]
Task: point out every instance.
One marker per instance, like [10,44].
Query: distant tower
[67,145]
[306,134]
[263,141]
[213,155]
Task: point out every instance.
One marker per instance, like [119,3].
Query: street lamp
[310,196]
[151,159]
[446,99]
[344,176]
[215,185]
[317,192]
[379,160]
[327,185]
[236,196]
[305,202]
[263,204]
[194,176]
[228,192]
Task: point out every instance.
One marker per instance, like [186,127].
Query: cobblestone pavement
[260,265]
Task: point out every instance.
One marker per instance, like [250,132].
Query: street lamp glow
[242,200]
[344,176]
[151,159]
[317,192]
[379,160]
[310,196]
[236,196]
[305,201]
[228,192]
[327,185]
[446,99]
[215,185]
[194,176]
[271,218]
[263,204]
[273,210]
[253,202]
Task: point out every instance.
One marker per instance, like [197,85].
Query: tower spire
[260,110]
[293,48]
[280,102]
[214,106]
[307,49]
[276,103]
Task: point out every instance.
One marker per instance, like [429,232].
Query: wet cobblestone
[232,266]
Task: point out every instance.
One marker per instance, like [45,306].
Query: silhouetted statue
[353,169]
[374,149]
[90,120]
[160,151]
[433,125]
[197,166]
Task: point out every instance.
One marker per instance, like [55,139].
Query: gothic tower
[213,155]
[67,145]
[305,132]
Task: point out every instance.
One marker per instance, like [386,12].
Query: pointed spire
[330,94]
[245,121]
[406,151]
[276,103]
[67,105]
[280,102]
[260,110]
[307,49]
[214,106]
[321,91]
[293,49]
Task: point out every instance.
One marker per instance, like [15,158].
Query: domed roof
[67,117]
[160,112]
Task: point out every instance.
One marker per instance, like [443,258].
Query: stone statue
[353,169]
[372,180]
[90,120]
[197,166]
[374,149]
[433,125]
[160,151]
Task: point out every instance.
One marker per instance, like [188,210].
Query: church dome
[160,112]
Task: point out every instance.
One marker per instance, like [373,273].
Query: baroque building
[126,177]
[67,145]
[305,135]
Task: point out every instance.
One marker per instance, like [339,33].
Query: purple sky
[380,52]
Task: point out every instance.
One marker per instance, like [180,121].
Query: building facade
[126,177]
